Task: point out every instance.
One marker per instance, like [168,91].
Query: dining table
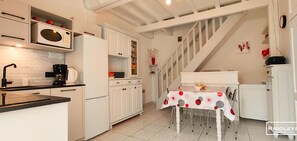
[208,98]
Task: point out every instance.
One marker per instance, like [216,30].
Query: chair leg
[235,130]
[171,117]
[207,122]
[191,119]
[200,119]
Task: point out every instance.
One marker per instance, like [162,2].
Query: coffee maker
[60,74]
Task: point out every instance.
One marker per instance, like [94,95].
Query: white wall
[250,65]
[168,44]
[144,44]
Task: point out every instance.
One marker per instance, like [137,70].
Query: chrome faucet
[4,80]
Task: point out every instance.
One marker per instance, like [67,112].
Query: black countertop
[21,88]
[17,101]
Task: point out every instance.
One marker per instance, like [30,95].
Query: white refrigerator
[90,59]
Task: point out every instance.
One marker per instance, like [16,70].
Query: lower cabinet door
[75,110]
[129,100]
[115,103]
[137,98]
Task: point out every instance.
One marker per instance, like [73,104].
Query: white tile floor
[153,126]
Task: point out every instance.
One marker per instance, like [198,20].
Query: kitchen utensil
[72,76]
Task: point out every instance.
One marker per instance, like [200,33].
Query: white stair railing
[189,49]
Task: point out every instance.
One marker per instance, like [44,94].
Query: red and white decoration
[200,100]
[215,100]
[243,47]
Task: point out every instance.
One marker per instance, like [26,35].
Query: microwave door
[51,35]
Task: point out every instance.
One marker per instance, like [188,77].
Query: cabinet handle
[267,72]
[268,90]
[134,87]
[89,33]
[129,81]
[123,89]
[119,53]
[12,15]
[7,36]
[118,82]
[68,90]
[36,93]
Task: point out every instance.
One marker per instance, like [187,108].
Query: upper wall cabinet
[14,10]
[83,27]
[50,32]
[14,19]
[118,43]
[30,27]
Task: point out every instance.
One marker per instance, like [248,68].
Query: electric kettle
[72,76]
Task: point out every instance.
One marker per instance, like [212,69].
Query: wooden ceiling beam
[135,13]
[148,35]
[217,4]
[110,6]
[171,12]
[167,31]
[192,6]
[147,10]
[217,12]
[124,17]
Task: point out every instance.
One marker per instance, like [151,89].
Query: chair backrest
[233,96]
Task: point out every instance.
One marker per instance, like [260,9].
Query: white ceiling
[147,12]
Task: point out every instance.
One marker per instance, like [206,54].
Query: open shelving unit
[134,61]
[58,21]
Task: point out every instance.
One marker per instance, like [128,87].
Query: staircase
[200,41]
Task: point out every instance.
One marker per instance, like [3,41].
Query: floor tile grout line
[144,127]
[247,130]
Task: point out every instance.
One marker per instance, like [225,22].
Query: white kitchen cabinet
[253,101]
[280,91]
[75,110]
[14,10]
[83,27]
[118,43]
[123,44]
[37,91]
[128,93]
[137,98]
[125,99]
[115,94]
[13,33]
[42,123]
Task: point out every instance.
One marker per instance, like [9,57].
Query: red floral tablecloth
[200,100]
